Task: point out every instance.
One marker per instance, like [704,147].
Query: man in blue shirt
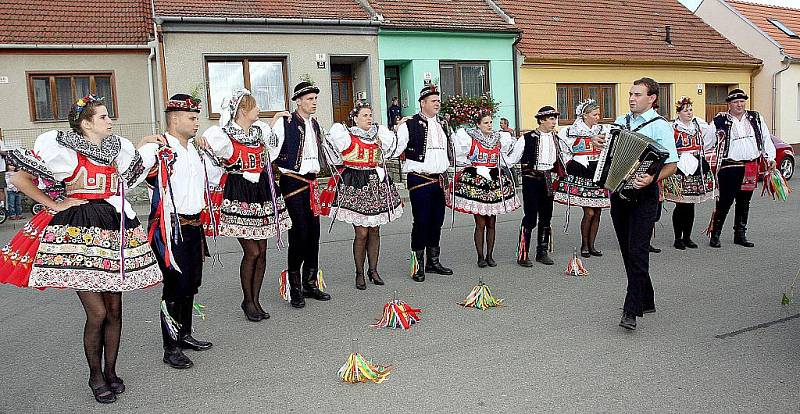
[634,219]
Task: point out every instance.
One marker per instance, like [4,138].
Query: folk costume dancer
[539,155]
[742,142]
[252,208]
[577,188]
[693,182]
[635,216]
[484,187]
[427,151]
[297,143]
[176,234]
[91,240]
[365,195]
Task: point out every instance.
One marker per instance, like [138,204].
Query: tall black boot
[173,356]
[716,230]
[543,245]
[419,274]
[433,265]
[740,226]
[185,339]
[523,247]
[310,289]
[296,298]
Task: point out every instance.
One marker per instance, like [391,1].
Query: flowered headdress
[183,103]
[360,104]
[585,107]
[428,91]
[81,104]
[682,102]
[546,112]
[230,106]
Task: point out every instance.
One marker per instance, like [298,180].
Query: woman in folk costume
[363,194]
[577,188]
[484,188]
[90,241]
[693,183]
[252,208]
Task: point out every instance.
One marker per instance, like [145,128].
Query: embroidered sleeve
[27,161]
[130,164]
[59,160]
[219,141]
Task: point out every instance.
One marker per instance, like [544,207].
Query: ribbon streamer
[397,314]
[357,369]
[480,297]
[575,266]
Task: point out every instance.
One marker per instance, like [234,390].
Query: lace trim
[254,136]
[370,135]
[105,153]
[134,171]
[487,142]
[27,161]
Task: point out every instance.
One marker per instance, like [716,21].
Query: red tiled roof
[611,30]
[790,17]
[118,22]
[440,14]
[308,9]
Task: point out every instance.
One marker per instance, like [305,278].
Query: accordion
[626,155]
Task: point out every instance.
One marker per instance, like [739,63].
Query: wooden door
[342,97]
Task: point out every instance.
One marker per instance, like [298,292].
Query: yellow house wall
[538,83]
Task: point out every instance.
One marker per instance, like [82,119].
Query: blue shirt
[659,131]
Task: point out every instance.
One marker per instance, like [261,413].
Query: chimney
[668,34]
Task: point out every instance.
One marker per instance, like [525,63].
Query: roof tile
[790,17]
[309,9]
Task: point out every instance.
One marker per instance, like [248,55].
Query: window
[665,100]
[463,78]
[782,27]
[570,95]
[265,78]
[51,95]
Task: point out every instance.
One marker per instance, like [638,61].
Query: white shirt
[187,179]
[222,147]
[579,129]
[436,161]
[340,139]
[547,151]
[310,160]
[743,146]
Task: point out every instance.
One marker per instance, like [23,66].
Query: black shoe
[525,263]
[188,342]
[543,245]
[714,240]
[177,359]
[296,298]
[419,275]
[594,252]
[679,244]
[361,284]
[740,238]
[482,262]
[653,249]
[374,277]
[433,265]
[628,321]
[103,393]
[310,289]
[649,310]
[490,261]
[116,384]
[251,316]
[264,314]
[586,253]
[689,243]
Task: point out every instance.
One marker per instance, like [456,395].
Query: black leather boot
[310,289]
[740,226]
[419,275]
[173,356]
[740,238]
[716,229]
[185,339]
[433,265]
[543,245]
[523,247]
[296,298]
[628,321]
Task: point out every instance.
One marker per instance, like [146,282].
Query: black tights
[251,272]
[101,333]
[683,220]
[367,243]
[484,225]
[589,226]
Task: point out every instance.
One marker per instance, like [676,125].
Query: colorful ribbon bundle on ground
[358,369]
[398,314]
[481,297]
[776,186]
[575,266]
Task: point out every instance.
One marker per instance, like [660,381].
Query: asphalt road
[720,341]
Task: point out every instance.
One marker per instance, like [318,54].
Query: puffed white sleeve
[149,152]
[274,141]
[61,161]
[389,142]
[710,136]
[515,153]
[402,137]
[219,141]
[506,143]
[130,164]
[339,137]
[769,146]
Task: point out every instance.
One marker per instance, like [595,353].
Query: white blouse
[462,141]
[222,147]
[188,178]
[339,138]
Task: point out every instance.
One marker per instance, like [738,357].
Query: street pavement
[719,342]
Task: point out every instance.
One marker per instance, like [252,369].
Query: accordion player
[626,155]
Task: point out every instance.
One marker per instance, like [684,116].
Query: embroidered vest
[246,158]
[685,142]
[723,125]
[291,154]
[530,154]
[481,156]
[91,181]
[418,139]
[360,154]
[584,146]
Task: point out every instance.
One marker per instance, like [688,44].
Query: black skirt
[247,210]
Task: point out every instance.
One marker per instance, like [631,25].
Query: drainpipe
[787,60]
[516,83]
[150,83]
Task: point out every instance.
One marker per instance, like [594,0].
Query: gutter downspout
[788,61]
[150,83]
[514,61]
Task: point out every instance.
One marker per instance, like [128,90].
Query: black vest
[294,134]
[530,155]
[418,138]
[723,124]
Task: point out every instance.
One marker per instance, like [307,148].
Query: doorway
[341,92]
[715,99]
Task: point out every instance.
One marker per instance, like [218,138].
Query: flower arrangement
[465,110]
